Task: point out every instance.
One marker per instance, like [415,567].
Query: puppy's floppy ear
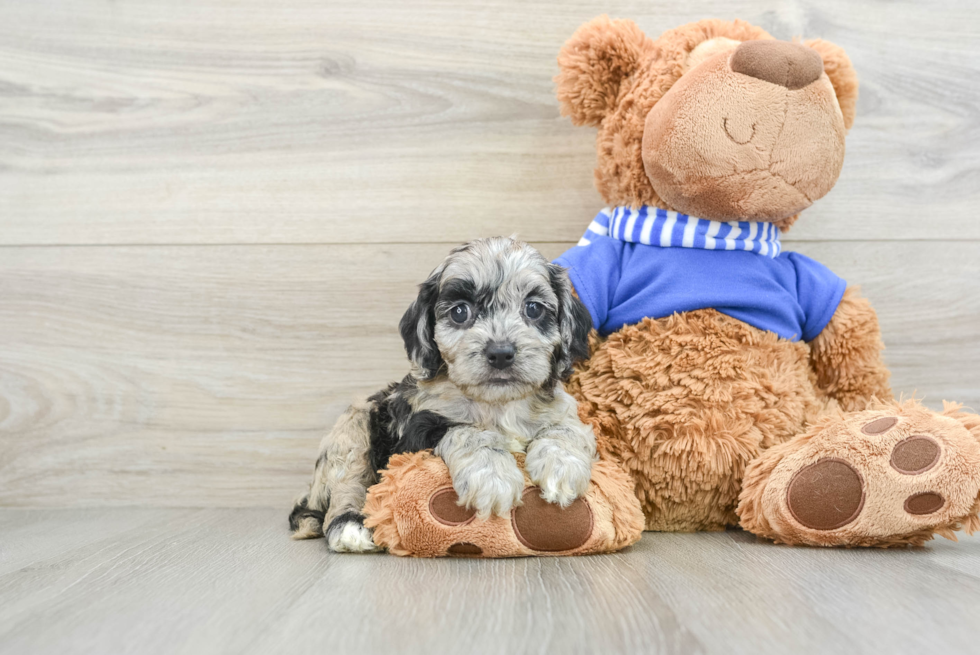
[418,326]
[594,62]
[574,323]
[839,69]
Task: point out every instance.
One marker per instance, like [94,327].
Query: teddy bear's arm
[846,356]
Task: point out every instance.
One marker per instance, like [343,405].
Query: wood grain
[213,215]
[200,121]
[210,580]
[200,376]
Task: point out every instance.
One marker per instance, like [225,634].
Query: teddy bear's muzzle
[752,133]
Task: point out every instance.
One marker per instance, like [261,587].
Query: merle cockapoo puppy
[494,331]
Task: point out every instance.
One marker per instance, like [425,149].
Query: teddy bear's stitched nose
[787,64]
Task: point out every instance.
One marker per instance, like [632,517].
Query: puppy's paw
[347,534]
[563,474]
[489,482]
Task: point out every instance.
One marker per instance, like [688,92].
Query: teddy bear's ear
[838,67]
[594,63]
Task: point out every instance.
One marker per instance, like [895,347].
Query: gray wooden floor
[230,581]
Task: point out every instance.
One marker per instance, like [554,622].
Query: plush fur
[493,332]
[686,403]
[700,408]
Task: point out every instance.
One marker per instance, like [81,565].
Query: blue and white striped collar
[669,229]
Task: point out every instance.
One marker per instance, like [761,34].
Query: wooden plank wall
[212,214]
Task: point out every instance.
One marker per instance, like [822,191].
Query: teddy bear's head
[713,119]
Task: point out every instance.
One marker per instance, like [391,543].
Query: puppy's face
[498,320]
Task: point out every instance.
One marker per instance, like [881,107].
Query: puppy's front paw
[489,482]
[347,534]
[562,474]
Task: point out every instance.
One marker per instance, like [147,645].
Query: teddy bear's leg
[892,475]
[415,511]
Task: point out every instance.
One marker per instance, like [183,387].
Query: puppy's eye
[460,314]
[533,310]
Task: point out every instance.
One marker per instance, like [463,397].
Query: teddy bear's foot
[889,476]
[415,511]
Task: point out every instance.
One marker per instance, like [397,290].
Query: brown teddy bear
[735,383]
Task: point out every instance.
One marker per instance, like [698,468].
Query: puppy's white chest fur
[516,420]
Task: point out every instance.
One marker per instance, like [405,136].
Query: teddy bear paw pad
[875,478]
[826,495]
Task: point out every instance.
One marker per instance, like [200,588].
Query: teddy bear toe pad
[464,549]
[879,477]
[445,508]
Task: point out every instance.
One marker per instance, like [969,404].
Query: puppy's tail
[306,523]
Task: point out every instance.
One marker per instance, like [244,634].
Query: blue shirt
[621,283]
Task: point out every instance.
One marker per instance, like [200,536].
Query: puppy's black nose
[500,355]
